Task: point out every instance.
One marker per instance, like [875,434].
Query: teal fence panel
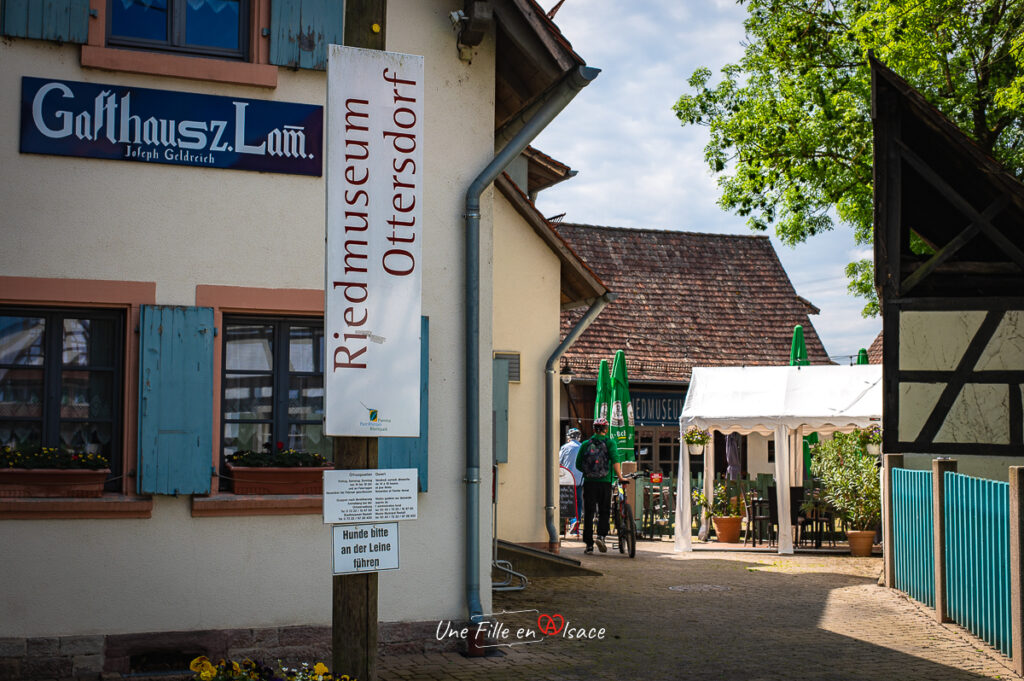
[977,515]
[913,534]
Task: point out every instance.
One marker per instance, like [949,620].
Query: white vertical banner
[373,286]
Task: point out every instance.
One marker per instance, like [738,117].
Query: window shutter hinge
[93,13]
[215,332]
[265,32]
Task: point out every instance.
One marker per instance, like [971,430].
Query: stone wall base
[108,658]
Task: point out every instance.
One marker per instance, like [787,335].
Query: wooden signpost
[354,606]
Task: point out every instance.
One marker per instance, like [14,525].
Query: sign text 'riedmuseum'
[374,233]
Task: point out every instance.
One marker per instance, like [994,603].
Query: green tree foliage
[790,125]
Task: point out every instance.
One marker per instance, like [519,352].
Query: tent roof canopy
[759,399]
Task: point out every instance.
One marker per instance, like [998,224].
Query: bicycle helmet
[574,434]
[601,422]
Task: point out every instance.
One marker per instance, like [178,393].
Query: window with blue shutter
[301,30]
[175,399]
[411,452]
[61,20]
[499,392]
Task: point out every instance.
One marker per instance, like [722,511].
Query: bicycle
[622,515]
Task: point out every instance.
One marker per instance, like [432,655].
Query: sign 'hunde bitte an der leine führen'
[373,283]
[364,548]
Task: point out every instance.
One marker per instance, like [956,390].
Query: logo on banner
[616,419]
[374,419]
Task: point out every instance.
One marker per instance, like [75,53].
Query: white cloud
[638,167]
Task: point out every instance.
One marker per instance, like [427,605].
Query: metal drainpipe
[557,100]
[550,443]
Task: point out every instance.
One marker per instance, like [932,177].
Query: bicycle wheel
[627,531]
[632,536]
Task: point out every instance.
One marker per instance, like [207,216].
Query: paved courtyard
[713,615]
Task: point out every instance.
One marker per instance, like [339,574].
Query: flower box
[277,480]
[52,482]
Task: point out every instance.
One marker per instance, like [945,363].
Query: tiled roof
[875,351]
[686,299]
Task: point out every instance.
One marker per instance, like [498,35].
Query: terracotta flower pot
[861,542]
[52,482]
[727,528]
[269,480]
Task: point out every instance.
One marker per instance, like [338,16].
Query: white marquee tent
[783,401]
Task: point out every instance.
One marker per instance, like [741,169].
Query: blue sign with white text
[93,120]
[657,408]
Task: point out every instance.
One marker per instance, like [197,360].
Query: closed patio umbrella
[621,422]
[862,356]
[798,357]
[733,444]
[602,404]
[798,350]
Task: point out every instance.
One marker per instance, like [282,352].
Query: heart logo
[550,625]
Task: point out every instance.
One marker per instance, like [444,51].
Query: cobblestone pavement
[715,615]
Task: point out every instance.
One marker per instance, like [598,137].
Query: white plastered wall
[66,217]
[526,320]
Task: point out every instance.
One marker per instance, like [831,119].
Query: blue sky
[638,167]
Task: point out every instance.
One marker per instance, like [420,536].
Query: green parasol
[621,426]
[604,391]
[798,357]
[798,351]
[862,356]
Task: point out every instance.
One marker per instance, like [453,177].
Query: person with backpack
[600,462]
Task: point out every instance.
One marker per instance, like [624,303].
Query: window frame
[256,70]
[127,296]
[176,42]
[280,420]
[53,368]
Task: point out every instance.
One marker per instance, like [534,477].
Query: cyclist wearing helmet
[567,459]
[599,460]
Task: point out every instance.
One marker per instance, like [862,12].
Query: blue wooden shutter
[60,20]
[411,452]
[301,30]
[175,400]
[499,393]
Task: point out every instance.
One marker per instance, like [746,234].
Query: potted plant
[724,509]
[695,440]
[277,471]
[51,472]
[850,484]
[872,438]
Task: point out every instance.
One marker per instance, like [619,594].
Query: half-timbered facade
[953,346]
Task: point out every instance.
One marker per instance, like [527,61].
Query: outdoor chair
[759,519]
[800,520]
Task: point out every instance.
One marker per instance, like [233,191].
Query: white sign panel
[373,286]
[365,548]
[370,496]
